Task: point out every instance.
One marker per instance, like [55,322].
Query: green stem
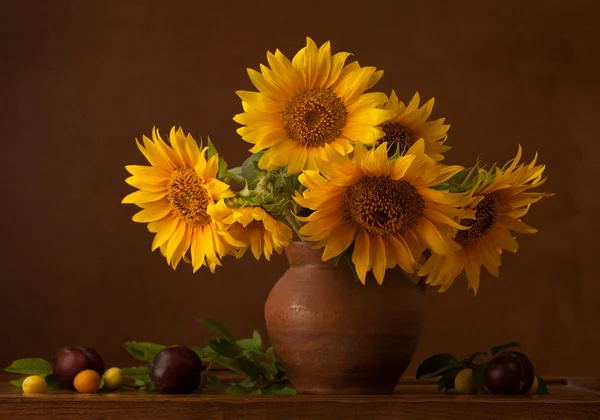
[294,223]
[348,259]
[233,179]
[231,368]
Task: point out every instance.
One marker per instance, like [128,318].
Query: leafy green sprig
[247,357]
[446,366]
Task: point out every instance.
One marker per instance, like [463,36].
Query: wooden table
[570,399]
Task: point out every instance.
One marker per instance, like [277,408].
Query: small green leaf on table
[269,370]
[253,345]
[479,375]
[247,383]
[52,383]
[17,382]
[543,387]
[238,389]
[140,372]
[250,368]
[224,347]
[447,380]
[143,351]
[270,354]
[279,389]
[206,353]
[30,366]
[213,324]
[498,349]
[211,380]
[477,354]
[437,365]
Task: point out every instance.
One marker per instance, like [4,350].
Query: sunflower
[303,105]
[388,206]
[251,227]
[174,194]
[409,124]
[502,199]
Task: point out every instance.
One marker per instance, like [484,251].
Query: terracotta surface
[336,335]
[80,79]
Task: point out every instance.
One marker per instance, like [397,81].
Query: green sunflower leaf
[250,168]
[222,168]
[212,150]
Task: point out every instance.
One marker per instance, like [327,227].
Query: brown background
[81,79]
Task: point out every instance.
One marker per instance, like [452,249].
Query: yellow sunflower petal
[361,255]
[174,241]
[151,173]
[342,237]
[147,184]
[404,257]
[434,239]
[377,258]
[165,233]
[143,197]
[152,213]
[354,84]
[399,166]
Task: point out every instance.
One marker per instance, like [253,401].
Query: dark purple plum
[69,361]
[176,370]
[96,362]
[509,373]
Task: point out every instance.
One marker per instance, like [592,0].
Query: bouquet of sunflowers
[357,173]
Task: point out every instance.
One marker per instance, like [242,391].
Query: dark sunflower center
[188,197]
[486,213]
[396,134]
[382,205]
[314,117]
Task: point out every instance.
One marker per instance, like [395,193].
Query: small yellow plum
[534,388]
[87,381]
[34,385]
[113,379]
[464,382]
